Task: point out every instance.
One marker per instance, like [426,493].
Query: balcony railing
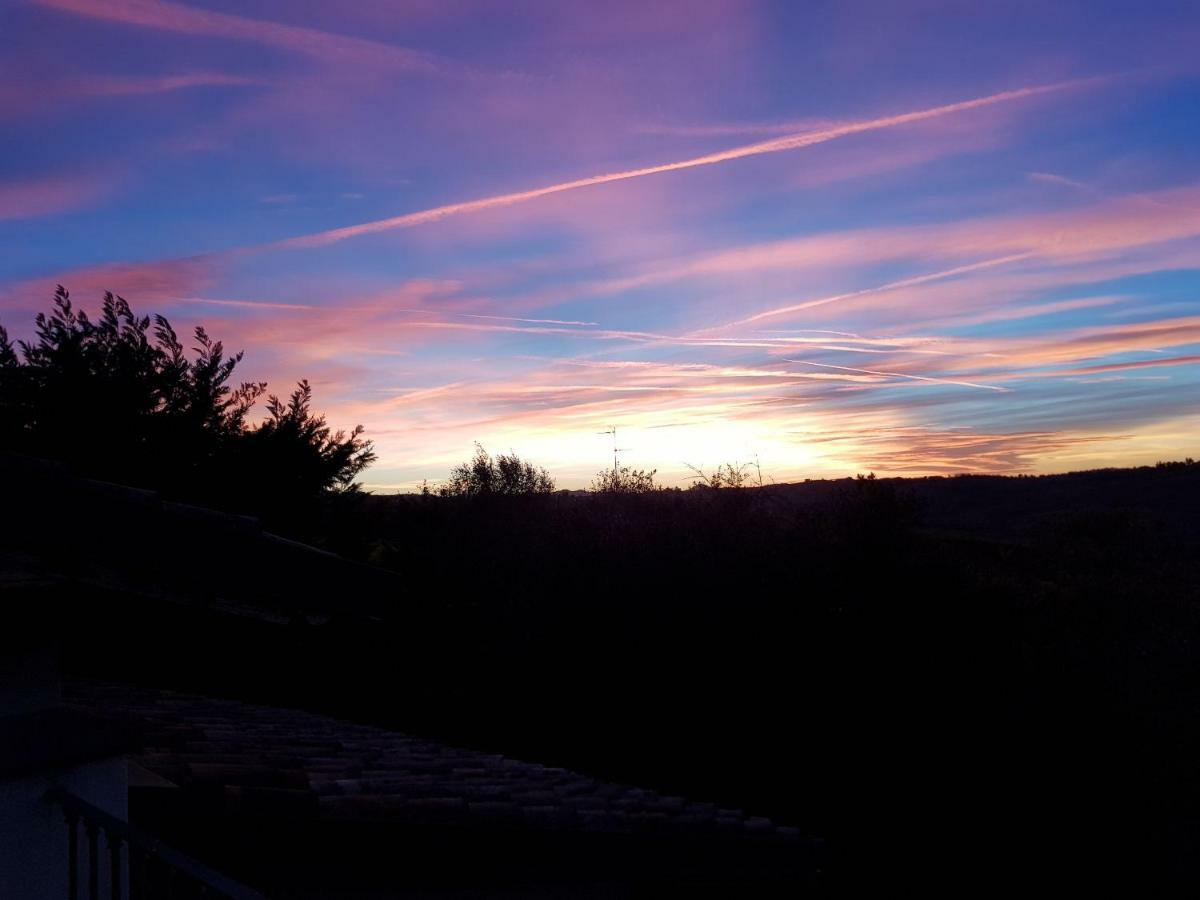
[152,869]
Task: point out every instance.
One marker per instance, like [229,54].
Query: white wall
[33,833]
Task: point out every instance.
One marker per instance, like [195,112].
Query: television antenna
[613,431]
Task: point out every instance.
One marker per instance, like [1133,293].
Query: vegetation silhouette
[504,476]
[725,475]
[625,480]
[121,399]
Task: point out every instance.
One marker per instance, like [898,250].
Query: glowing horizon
[965,247]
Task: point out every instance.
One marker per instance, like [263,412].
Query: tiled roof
[299,763]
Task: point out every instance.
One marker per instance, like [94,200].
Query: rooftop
[302,763]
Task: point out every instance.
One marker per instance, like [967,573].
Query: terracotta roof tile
[272,761]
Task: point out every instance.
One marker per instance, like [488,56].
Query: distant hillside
[1017,506]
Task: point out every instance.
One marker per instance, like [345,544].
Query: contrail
[878,289]
[971,384]
[519,319]
[776,145]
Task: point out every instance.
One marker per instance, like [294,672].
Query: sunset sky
[913,238]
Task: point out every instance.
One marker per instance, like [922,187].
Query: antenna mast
[616,464]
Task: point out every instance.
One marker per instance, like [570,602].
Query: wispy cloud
[145,284]
[50,195]
[1063,181]
[1022,311]
[132,85]
[1055,244]
[733,128]
[249,304]
[1190,360]
[1094,342]
[881,289]
[906,375]
[535,321]
[322,45]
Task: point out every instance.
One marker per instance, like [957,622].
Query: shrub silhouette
[1175,464]
[726,475]
[624,480]
[122,399]
[505,475]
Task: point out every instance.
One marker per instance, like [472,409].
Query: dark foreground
[997,676]
[304,805]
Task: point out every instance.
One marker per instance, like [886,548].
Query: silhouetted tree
[8,356]
[1186,463]
[292,456]
[123,400]
[10,393]
[506,475]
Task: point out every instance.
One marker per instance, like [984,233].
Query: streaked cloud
[125,86]
[145,284]
[177,17]
[47,196]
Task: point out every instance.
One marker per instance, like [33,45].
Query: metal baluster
[147,870]
[72,856]
[93,862]
[114,860]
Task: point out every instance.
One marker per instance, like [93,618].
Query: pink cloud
[322,45]
[1190,360]
[1102,231]
[56,94]
[123,86]
[1100,341]
[1024,311]
[885,288]
[145,284]
[927,378]
[728,129]
[51,195]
